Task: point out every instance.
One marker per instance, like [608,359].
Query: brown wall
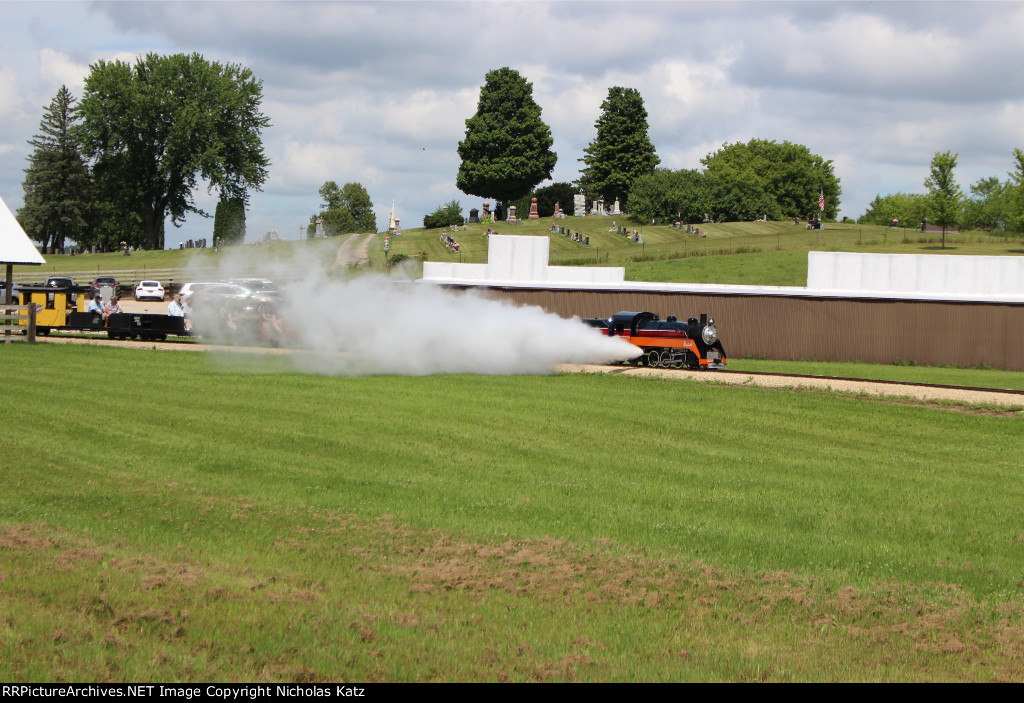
[827,329]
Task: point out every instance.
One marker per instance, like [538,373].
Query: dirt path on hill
[354,248]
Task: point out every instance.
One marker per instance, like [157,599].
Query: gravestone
[474,216]
[534,215]
[487,211]
[558,209]
[579,205]
[615,208]
[511,213]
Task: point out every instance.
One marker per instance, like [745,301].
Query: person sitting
[174,309]
[113,308]
[96,306]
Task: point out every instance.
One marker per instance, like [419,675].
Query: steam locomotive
[692,344]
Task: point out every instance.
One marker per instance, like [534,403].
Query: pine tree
[507,149]
[57,182]
[229,221]
[622,151]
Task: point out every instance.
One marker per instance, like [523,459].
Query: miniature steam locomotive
[667,343]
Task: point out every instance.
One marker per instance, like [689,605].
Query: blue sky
[378,92]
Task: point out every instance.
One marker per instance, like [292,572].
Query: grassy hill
[756,253]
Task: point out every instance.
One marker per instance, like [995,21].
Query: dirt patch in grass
[396,591]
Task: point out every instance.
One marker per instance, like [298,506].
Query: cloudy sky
[378,92]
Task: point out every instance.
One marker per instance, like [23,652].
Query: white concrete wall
[520,260]
[979,277]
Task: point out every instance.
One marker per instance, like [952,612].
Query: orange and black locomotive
[668,343]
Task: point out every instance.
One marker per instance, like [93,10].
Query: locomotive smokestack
[703,318]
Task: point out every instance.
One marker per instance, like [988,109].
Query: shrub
[444,216]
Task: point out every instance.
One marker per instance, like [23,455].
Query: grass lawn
[166,517]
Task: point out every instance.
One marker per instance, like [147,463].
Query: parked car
[61,282]
[256,286]
[190,288]
[149,289]
[101,282]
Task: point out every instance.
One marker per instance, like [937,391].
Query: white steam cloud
[376,324]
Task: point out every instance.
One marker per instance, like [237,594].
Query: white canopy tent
[15,248]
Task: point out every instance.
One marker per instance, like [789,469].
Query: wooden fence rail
[18,318]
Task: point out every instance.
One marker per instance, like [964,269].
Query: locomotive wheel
[653,358]
[678,361]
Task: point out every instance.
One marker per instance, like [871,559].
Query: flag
[821,200]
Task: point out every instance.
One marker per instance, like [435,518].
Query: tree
[906,208]
[989,208]
[344,210]
[547,197]
[622,151]
[668,195]
[153,129]
[57,183]
[229,221]
[944,196]
[444,216]
[507,149]
[760,178]
[1015,193]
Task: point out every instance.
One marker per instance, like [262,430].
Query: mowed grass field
[166,516]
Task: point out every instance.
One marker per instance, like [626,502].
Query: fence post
[30,332]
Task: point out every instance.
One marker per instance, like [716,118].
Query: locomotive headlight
[709,334]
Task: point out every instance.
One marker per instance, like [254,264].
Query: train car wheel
[43,330]
[111,335]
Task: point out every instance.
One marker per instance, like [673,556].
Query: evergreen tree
[57,183]
[507,148]
[229,221]
[944,196]
[622,151]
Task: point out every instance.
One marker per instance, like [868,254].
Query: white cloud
[58,69]
[378,92]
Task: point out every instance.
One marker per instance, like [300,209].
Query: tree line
[992,204]
[113,167]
